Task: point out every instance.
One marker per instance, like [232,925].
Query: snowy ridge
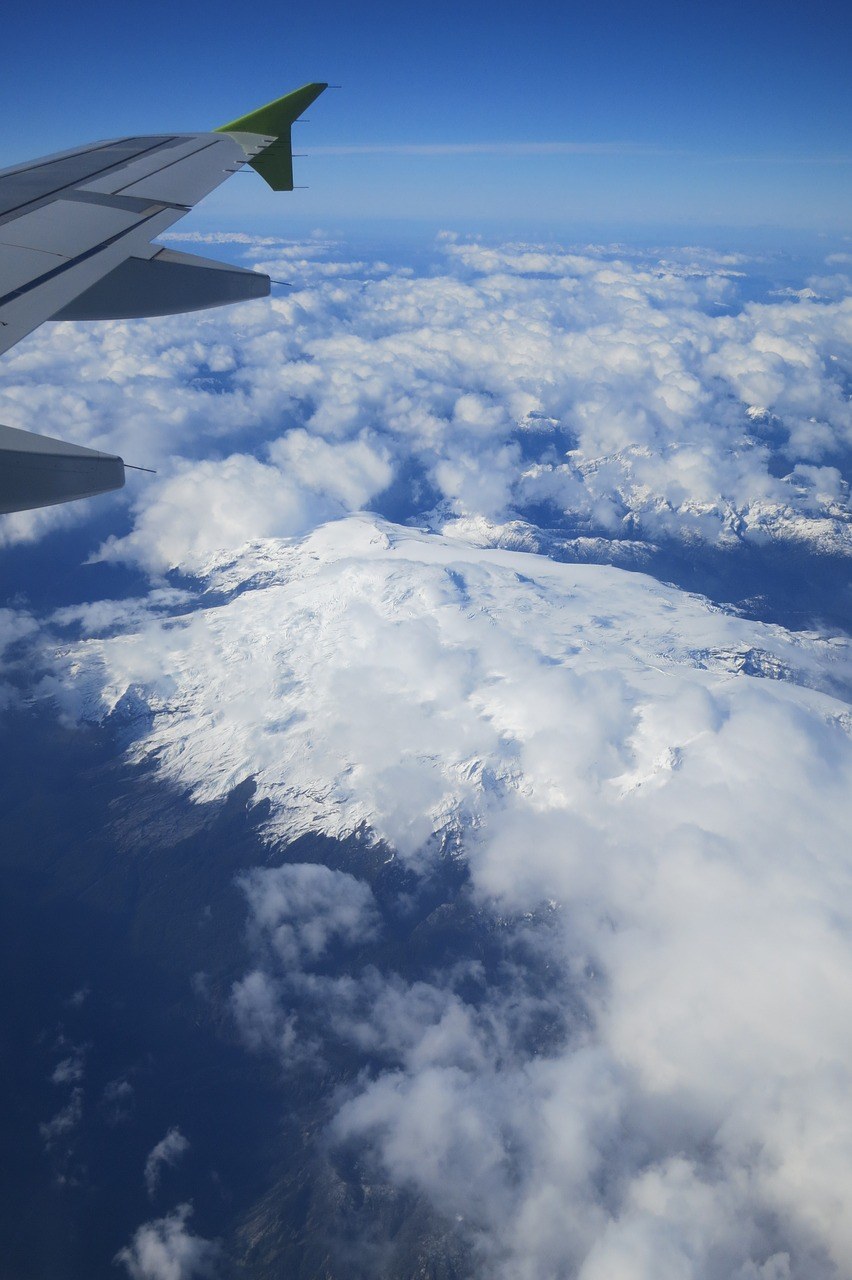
[367,661]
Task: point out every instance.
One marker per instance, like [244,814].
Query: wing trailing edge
[275,162]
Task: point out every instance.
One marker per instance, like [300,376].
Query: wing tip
[279,114]
[275,162]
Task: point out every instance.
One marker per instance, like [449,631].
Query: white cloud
[16,625]
[166,1152]
[302,907]
[70,1069]
[165,1249]
[588,737]
[350,473]
[241,495]
[257,1009]
[65,1122]
[611,386]
[672,779]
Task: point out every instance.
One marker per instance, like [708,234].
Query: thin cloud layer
[673,780]
[166,1152]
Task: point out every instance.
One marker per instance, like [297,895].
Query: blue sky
[727,113]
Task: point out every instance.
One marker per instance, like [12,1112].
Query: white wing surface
[76,232]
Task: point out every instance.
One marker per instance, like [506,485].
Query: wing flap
[164,285]
[19,266]
[52,281]
[37,471]
[66,228]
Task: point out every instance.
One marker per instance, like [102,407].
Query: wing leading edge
[76,233]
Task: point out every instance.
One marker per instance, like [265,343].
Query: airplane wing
[76,232]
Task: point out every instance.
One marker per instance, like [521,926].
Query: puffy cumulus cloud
[166,1152]
[257,1006]
[607,1198]
[673,779]
[349,473]
[166,1249]
[304,907]
[308,481]
[601,389]
[241,495]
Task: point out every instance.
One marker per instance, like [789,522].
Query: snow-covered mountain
[373,675]
[667,782]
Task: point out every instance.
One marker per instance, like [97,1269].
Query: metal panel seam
[73,262]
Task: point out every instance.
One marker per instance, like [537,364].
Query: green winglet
[275,163]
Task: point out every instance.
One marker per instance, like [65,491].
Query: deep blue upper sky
[728,112]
